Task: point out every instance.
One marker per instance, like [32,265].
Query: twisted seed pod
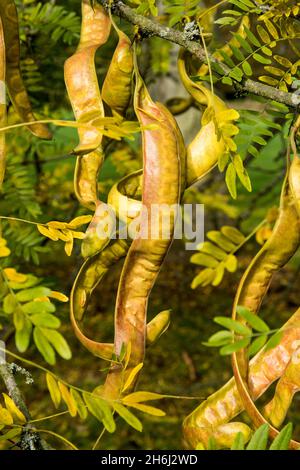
[83,90]
[161,185]
[117,86]
[289,384]
[276,252]
[2,104]
[211,418]
[15,85]
[205,150]
[89,277]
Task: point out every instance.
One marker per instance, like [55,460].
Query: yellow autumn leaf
[46,232]
[59,296]
[3,242]
[132,376]
[53,389]
[54,232]
[13,409]
[138,397]
[65,235]
[78,221]
[79,235]
[55,224]
[69,247]
[228,115]
[6,418]
[151,410]
[4,251]
[14,276]
[44,298]
[68,399]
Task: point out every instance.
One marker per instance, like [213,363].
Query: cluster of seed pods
[169,168]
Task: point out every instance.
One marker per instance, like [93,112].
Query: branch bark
[150,27]
[30,439]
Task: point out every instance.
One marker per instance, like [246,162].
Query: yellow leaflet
[151,410]
[59,296]
[6,418]
[78,221]
[13,409]
[69,247]
[53,389]
[14,276]
[46,232]
[138,397]
[68,399]
[55,224]
[4,251]
[132,376]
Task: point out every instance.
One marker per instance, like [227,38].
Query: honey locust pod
[276,252]
[89,277]
[83,90]
[99,231]
[161,186]
[15,85]
[211,419]
[204,152]
[117,86]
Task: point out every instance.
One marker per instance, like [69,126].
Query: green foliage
[181,9]
[26,305]
[224,339]
[217,255]
[54,22]
[258,47]
[259,440]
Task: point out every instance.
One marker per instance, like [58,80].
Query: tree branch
[150,27]
[30,439]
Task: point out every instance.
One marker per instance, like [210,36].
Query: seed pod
[83,90]
[117,86]
[161,185]
[80,74]
[88,278]
[15,85]
[204,151]
[2,105]
[94,241]
[276,252]
[211,418]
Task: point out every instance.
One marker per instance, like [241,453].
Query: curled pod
[84,93]
[161,188]
[89,277]
[208,146]
[211,419]
[16,88]
[3,110]
[99,231]
[276,252]
[117,86]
